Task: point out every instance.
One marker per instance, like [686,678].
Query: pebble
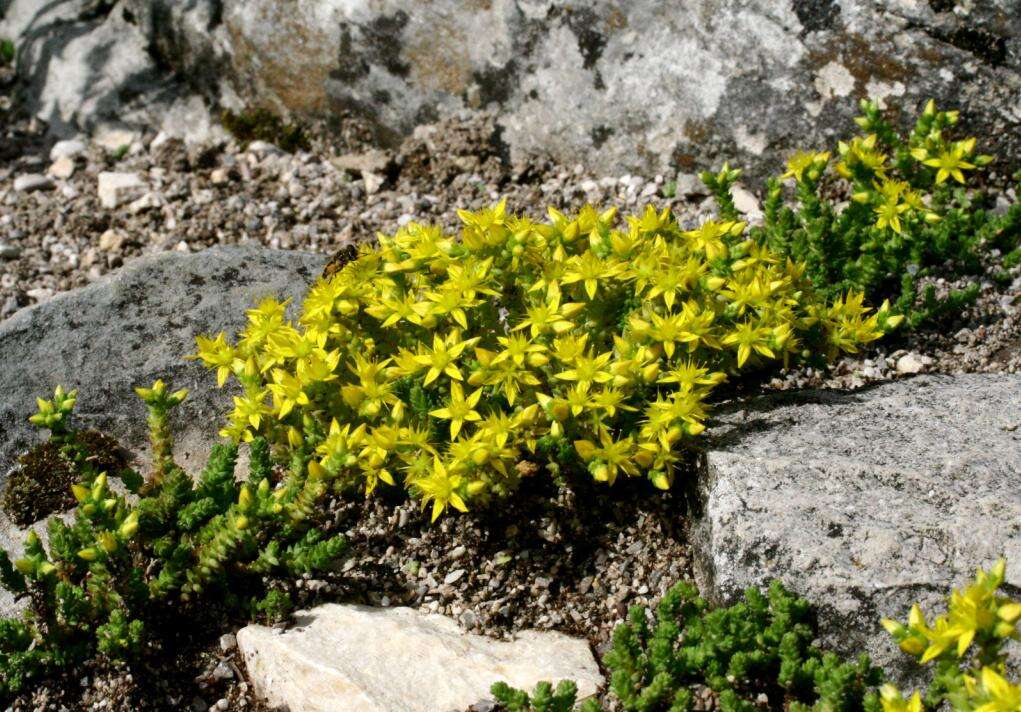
[112,240]
[9,252]
[222,671]
[62,168]
[454,576]
[69,148]
[228,642]
[262,148]
[746,202]
[373,182]
[219,176]
[114,138]
[39,293]
[116,188]
[9,307]
[910,363]
[32,181]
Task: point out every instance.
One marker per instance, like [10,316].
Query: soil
[572,558]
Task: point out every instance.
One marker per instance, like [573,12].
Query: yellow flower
[251,408]
[217,353]
[893,701]
[590,270]
[459,409]
[441,488]
[713,236]
[442,358]
[749,337]
[588,369]
[519,349]
[609,458]
[677,279]
[802,161]
[951,163]
[997,694]
[549,316]
[287,392]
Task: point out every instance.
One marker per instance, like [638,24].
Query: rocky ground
[72,211]
[570,559]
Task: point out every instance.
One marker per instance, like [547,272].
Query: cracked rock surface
[637,86]
[866,501]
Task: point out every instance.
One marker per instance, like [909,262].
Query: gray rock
[32,181]
[85,68]
[131,328]
[864,502]
[347,658]
[9,251]
[649,85]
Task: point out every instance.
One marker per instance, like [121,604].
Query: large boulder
[87,65]
[637,86]
[865,502]
[132,327]
[349,658]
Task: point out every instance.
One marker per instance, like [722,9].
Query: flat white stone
[349,658]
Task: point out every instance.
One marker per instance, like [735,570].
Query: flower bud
[650,372]
[245,499]
[129,526]
[80,492]
[108,542]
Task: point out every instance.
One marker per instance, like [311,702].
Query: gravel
[570,558]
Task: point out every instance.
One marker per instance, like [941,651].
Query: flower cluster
[889,211]
[978,620]
[446,364]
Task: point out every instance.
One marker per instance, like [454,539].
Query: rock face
[865,502]
[347,658]
[641,86]
[88,64]
[131,328]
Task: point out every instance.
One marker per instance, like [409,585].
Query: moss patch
[264,125]
[42,484]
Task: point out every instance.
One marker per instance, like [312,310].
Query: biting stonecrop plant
[884,212]
[41,485]
[965,645]
[759,646]
[576,343]
[175,545]
[763,645]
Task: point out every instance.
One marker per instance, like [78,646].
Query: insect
[340,258]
